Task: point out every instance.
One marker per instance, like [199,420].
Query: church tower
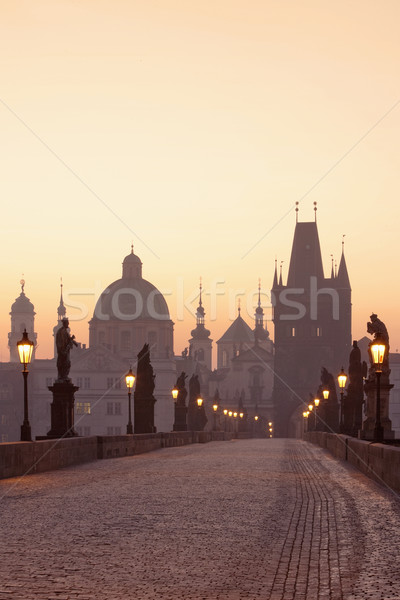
[61,312]
[312,321]
[200,342]
[261,334]
[22,317]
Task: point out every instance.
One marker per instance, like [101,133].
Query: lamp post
[305,415]
[316,403]
[215,409]
[342,378]
[25,349]
[378,349]
[310,409]
[225,415]
[129,380]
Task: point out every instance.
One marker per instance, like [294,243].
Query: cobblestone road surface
[270,519]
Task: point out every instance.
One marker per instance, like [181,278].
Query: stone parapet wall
[379,461]
[23,458]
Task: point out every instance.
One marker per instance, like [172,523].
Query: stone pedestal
[62,410]
[144,414]
[367,430]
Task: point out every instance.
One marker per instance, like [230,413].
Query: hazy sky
[191,129]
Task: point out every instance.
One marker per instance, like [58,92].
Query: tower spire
[280,272]
[315,211]
[297,212]
[61,310]
[238,307]
[275,282]
[332,271]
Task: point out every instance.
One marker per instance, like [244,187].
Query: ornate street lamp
[325,394]
[129,380]
[225,415]
[316,403]
[215,409]
[175,393]
[25,349]
[378,349]
[342,378]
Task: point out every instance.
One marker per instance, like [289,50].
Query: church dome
[131,297]
[22,304]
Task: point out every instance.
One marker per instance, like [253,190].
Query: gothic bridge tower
[312,321]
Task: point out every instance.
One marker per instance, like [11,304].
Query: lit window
[83,408]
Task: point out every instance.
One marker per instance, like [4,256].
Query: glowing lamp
[342,378]
[378,349]
[25,349]
[129,379]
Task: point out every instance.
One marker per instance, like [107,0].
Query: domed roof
[131,297]
[22,304]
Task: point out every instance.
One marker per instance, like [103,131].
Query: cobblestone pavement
[270,519]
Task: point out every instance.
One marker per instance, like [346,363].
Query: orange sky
[191,129]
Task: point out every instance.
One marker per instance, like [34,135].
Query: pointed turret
[61,313]
[200,343]
[260,334]
[22,317]
[343,280]
[275,282]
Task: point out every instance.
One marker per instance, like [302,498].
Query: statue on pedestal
[64,343]
[354,397]
[196,414]
[63,390]
[143,396]
[180,405]
[373,386]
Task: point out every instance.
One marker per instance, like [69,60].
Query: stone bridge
[242,519]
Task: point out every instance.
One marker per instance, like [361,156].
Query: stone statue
[180,405]
[193,409]
[64,343]
[143,396]
[355,392]
[378,329]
